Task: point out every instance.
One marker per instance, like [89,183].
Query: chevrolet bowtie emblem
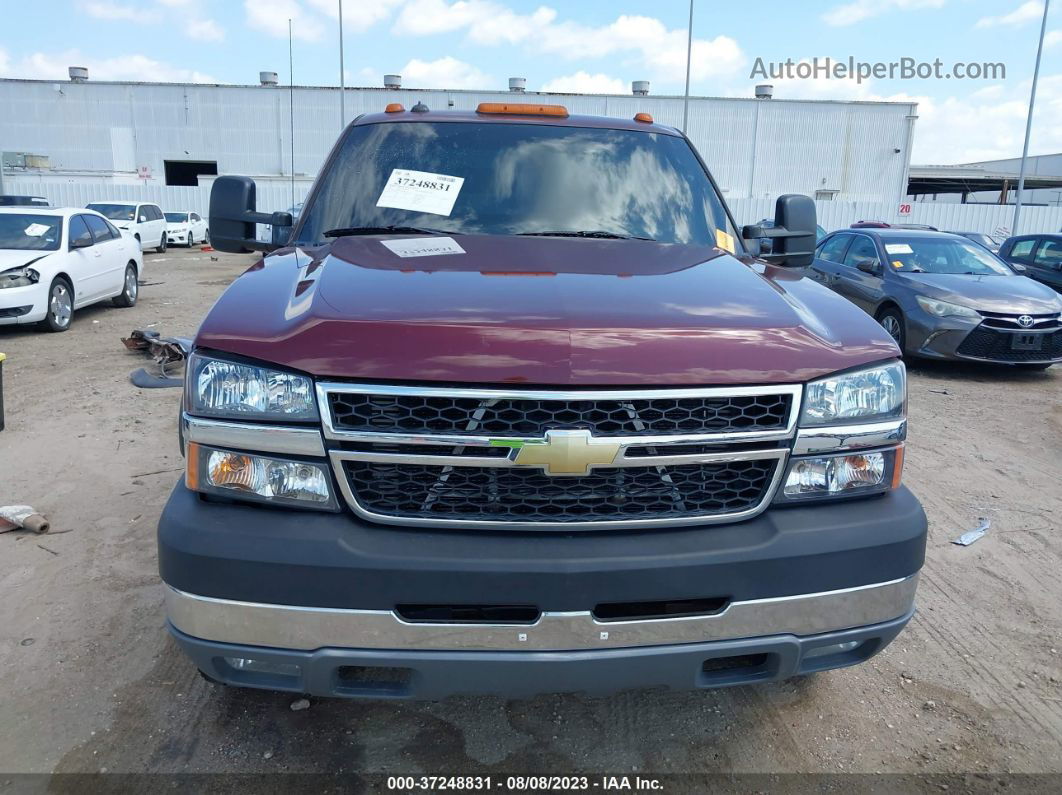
[564,452]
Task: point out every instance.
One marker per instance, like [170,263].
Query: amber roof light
[522,109]
[394,107]
[643,117]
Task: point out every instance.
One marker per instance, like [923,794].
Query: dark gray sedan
[942,297]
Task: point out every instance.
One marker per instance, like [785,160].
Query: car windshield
[27,232]
[116,212]
[177,218]
[941,255]
[510,179]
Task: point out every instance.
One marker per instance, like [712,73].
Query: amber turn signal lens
[394,107]
[643,117]
[897,468]
[522,109]
[191,475]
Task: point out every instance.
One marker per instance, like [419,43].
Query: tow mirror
[233,218]
[792,237]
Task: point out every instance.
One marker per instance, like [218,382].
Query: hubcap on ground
[60,305]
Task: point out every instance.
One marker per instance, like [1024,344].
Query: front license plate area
[1027,342]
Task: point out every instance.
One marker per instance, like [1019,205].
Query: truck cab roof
[516,117]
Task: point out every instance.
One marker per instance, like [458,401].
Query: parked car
[884,225]
[55,261]
[1040,255]
[186,228]
[520,411]
[144,221]
[766,247]
[23,201]
[981,239]
[943,297]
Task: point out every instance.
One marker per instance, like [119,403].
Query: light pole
[342,82]
[689,56]
[1028,121]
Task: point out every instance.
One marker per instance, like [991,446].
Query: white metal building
[82,140]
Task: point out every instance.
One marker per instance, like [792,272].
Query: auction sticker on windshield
[36,230]
[424,246]
[420,192]
[898,248]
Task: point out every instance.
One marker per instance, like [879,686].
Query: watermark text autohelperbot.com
[851,69]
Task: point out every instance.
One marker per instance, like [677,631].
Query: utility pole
[1028,122]
[342,79]
[291,108]
[689,56]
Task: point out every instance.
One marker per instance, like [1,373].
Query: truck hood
[990,293]
[543,311]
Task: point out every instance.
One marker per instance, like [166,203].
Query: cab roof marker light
[645,118]
[394,107]
[522,109]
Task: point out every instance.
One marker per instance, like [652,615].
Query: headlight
[19,277]
[259,478]
[946,309]
[218,388]
[879,393]
[846,475]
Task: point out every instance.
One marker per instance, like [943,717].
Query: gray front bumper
[389,674]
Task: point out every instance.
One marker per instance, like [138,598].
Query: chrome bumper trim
[308,628]
[849,437]
[255,438]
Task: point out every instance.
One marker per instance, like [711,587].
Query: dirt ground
[92,682]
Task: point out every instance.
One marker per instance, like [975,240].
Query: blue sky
[589,45]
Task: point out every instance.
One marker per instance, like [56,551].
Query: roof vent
[764,91]
[640,88]
[78,74]
[392,81]
[517,85]
[268,78]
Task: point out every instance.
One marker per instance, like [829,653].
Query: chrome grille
[543,459]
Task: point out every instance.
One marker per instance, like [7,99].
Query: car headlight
[220,388]
[946,309]
[248,476]
[19,277]
[878,393]
[852,474]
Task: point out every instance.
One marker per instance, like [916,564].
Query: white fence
[276,194]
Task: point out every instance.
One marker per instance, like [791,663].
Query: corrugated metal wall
[755,148]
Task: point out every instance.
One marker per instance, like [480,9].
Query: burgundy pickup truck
[519,409]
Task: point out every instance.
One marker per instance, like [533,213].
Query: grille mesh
[515,495]
[985,343]
[523,417]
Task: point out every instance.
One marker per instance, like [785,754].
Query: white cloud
[1052,38]
[53,66]
[194,23]
[271,17]
[446,72]
[357,16]
[656,51]
[859,10]
[1026,12]
[585,83]
[204,29]
[100,9]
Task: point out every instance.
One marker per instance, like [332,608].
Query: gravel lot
[92,682]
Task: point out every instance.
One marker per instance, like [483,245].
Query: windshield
[942,255]
[26,232]
[116,212]
[506,179]
[177,218]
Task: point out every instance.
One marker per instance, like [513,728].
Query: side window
[1049,255]
[79,232]
[156,213]
[195,217]
[833,249]
[1022,250]
[862,249]
[114,229]
[98,227]
[143,214]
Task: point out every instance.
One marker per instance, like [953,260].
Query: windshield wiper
[351,231]
[598,233]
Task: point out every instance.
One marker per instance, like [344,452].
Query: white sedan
[186,229]
[53,261]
